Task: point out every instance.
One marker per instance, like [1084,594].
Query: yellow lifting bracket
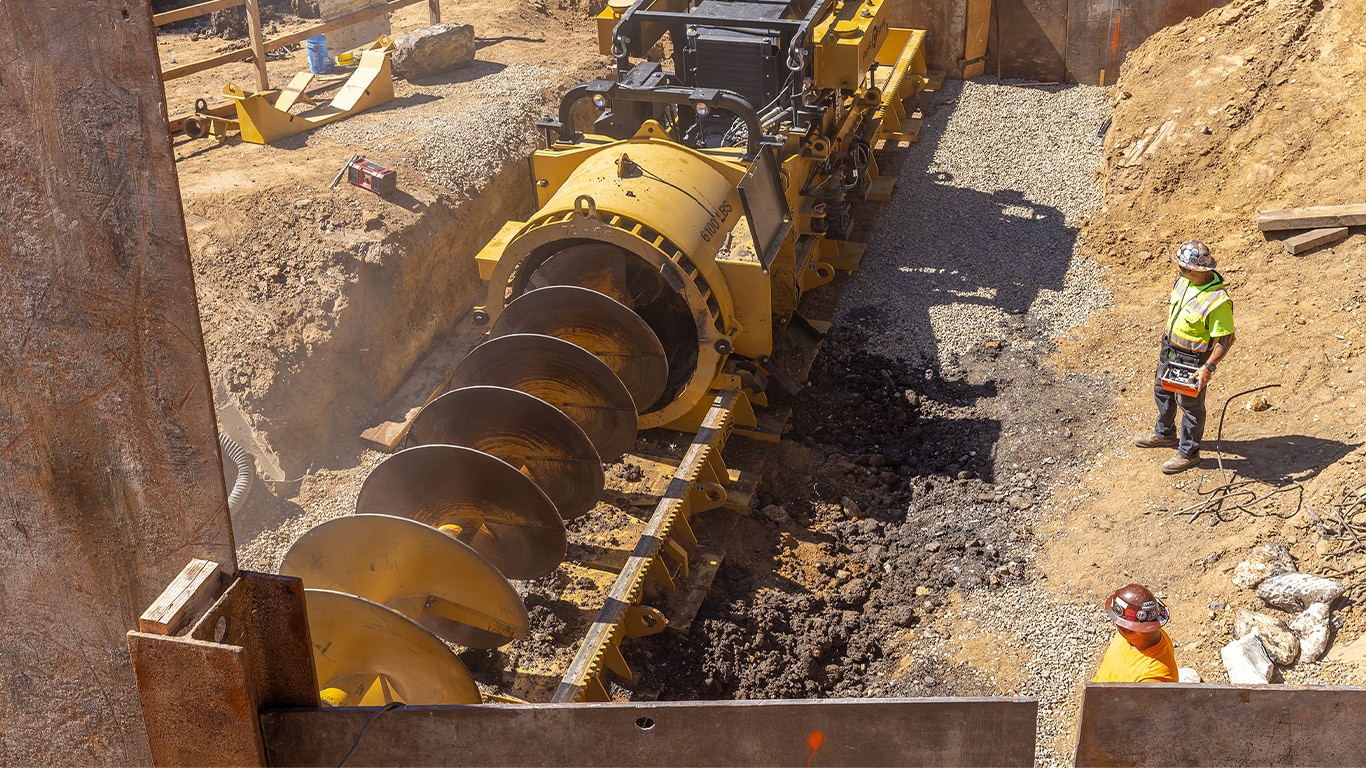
[264,117]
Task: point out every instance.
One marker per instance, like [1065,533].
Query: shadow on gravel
[1278,460]
[914,462]
[959,262]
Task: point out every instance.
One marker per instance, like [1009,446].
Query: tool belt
[1170,353]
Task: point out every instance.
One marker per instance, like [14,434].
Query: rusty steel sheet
[1283,725]
[201,692]
[1028,40]
[109,458]
[833,732]
[1101,32]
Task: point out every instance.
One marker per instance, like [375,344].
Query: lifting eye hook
[796,59]
[584,206]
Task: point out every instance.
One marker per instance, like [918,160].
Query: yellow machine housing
[678,208]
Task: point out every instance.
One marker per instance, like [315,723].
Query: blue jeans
[1192,416]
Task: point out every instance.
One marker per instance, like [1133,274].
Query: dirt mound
[1257,105]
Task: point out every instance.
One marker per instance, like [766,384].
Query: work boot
[1155,441]
[1179,463]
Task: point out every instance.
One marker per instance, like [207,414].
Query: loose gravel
[978,245]
[1060,642]
[460,133]
[982,224]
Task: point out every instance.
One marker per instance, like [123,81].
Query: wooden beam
[191,11]
[1314,238]
[341,21]
[109,456]
[184,70]
[258,46]
[245,54]
[1312,218]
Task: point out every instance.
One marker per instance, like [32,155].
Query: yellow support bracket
[263,121]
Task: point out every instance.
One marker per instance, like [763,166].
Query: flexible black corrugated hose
[246,471]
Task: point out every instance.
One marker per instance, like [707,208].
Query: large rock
[1263,562]
[1246,661]
[1282,646]
[432,51]
[1312,628]
[1297,591]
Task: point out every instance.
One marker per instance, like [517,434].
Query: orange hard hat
[1133,606]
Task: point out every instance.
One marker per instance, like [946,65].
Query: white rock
[1188,675]
[1246,661]
[1282,645]
[1264,561]
[1312,628]
[1297,591]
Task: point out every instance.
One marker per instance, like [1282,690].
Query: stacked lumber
[1319,225]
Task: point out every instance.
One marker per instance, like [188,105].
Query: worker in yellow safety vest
[1140,651]
[1199,334]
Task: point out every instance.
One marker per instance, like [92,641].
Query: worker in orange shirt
[1140,651]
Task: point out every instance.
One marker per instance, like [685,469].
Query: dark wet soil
[892,488]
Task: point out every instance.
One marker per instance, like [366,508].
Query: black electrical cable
[662,180]
[1215,497]
[366,727]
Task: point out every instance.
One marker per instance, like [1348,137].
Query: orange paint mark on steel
[815,740]
[1114,40]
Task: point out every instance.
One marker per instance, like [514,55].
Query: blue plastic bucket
[319,63]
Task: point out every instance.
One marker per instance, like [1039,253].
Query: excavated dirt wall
[390,294]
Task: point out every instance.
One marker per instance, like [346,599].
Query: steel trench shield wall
[1162,724]
[1074,40]
[834,732]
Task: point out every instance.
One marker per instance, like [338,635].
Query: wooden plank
[109,456]
[258,46]
[1312,218]
[977,29]
[191,11]
[340,22]
[427,381]
[867,732]
[1314,238]
[183,598]
[184,70]
[296,37]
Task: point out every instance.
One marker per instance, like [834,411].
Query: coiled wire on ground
[244,471]
[1222,500]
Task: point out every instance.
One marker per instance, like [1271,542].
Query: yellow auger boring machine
[674,240]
